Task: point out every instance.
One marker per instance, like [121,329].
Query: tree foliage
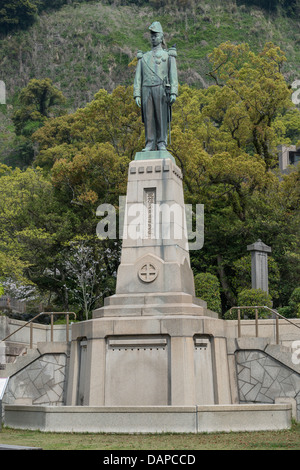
[39,100]
[290,7]
[251,92]
[294,302]
[207,287]
[39,235]
[16,14]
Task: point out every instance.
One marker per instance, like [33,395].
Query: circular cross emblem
[148,272]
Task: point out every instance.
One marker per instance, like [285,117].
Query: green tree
[13,262]
[287,127]
[16,13]
[207,287]
[290,7]
[109,118]
[251,92]
[40,234]
[39,100]
[34,227]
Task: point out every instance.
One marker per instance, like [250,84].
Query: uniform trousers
[155,115]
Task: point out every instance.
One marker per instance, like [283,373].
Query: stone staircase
[22,361]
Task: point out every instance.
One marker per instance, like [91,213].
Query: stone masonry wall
[40,383]
[262,379]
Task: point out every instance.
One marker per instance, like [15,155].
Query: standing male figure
[156,89]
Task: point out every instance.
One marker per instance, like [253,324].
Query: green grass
[263,440]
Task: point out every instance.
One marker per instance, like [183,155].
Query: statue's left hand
[172,99]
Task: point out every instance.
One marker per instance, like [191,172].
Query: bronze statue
[156,89]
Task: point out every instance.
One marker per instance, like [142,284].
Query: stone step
[149,310]
[32,355]
[151,298]
[20,363]
[278,352]
[177,303]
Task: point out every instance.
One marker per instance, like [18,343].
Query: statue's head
[157,35]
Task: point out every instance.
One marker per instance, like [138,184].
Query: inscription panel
[149,217]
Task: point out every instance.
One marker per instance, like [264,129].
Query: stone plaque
[150,199]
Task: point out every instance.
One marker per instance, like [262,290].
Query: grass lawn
[263,440]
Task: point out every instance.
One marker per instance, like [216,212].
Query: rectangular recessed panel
[137,371]
[203,371]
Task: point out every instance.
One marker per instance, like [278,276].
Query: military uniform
[156,79]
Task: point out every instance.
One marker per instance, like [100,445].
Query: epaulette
[140,54]
[172,51]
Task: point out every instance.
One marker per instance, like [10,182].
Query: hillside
[87,46]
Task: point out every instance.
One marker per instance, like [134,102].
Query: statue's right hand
[138,101]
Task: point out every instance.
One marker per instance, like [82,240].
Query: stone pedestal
[154,276]
[152,343]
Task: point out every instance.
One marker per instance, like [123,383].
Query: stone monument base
[150,359]
[154,419]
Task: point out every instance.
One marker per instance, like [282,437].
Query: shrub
[207,287]
[285,312]
[251,297]
[294,302]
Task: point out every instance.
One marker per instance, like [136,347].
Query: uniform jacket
[156,69]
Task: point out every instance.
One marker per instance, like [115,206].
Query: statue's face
[156,38]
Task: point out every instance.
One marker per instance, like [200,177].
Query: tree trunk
[225,286]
